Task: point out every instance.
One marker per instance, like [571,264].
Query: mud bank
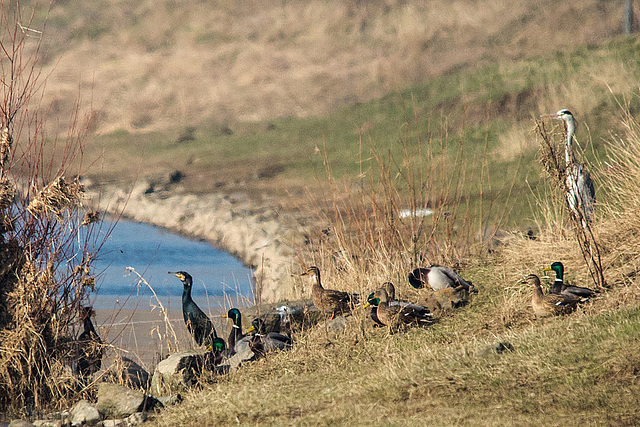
[255,234]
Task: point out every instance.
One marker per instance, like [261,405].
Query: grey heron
[580,192]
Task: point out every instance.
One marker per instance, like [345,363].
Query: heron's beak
[550,116]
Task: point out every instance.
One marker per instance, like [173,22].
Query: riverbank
[253,232]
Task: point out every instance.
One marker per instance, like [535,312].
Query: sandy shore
[144,335]
[254,234]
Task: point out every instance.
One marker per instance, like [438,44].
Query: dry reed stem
[172,346]
[5,147]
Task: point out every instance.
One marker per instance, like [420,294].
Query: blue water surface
[152,252]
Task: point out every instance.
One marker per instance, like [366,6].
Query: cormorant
[89,359]
[197,322]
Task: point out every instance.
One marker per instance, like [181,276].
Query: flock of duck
[386,311]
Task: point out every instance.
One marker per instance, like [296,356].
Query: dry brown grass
[257,61]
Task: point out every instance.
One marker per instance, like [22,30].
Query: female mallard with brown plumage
[549,304]
[397,316]
[329,300]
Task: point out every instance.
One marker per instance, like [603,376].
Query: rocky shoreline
[255,234]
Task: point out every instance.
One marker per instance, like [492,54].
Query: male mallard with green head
[263,342]
[372,301]
[559,287]
[396,316]
[439,277]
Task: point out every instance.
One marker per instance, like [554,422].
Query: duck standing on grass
[559,287]
[329,300]
[549,304]
[89,358]
[396,316]
[198,324]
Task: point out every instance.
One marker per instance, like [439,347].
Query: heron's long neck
[568,153]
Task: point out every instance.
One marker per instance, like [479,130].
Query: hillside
[239,98]
[163,64]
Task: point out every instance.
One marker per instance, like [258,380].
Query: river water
[219,280]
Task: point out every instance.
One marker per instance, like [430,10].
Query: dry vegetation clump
[45,261]
[56,197]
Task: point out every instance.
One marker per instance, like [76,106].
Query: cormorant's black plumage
[89,359]
[198,324]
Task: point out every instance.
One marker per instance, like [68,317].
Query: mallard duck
[198,324]
[235,335]
[219,351]
[89,358]
[396,316]
[438,277]
[329,300]
[549,304]
[420,311]
[559,287]
[263,342]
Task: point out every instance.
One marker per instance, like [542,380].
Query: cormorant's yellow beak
[178,275]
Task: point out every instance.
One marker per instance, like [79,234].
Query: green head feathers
[558,268]
[218,344]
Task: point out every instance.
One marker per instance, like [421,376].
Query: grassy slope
[563,371]
[159,64]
